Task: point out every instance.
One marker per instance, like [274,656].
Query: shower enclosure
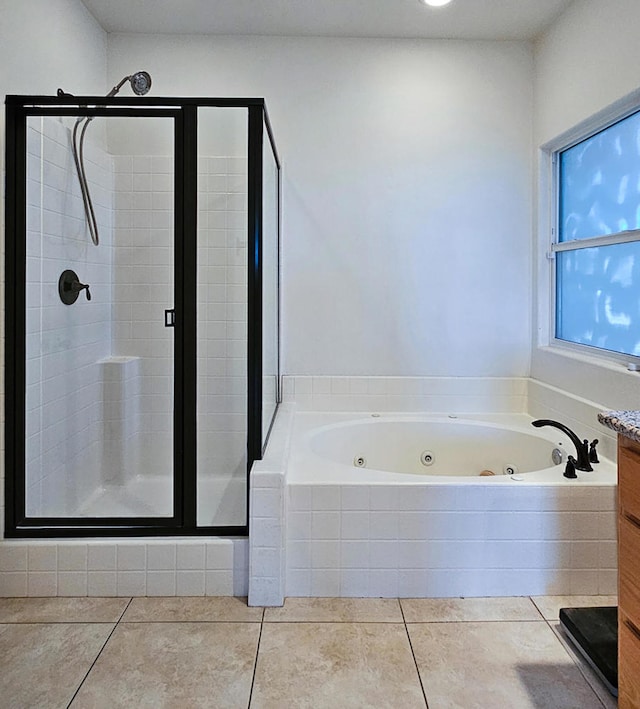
[142,372]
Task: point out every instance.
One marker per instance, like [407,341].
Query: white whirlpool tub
[391,448]
[422,506]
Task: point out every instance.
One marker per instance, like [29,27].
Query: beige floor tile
[550,605]
[335,665]
[336,610]
[607,699]
[520,665]
[61,610]
[193,609]
[42,665]
[153,665]
[434,610]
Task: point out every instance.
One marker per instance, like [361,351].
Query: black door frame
[184,112]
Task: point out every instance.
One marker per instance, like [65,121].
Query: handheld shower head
[140,84]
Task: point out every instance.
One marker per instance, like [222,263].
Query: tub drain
[359,461]
[510,469]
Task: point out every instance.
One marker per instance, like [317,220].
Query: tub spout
[582,447]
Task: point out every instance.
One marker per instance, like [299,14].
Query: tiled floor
[180,653]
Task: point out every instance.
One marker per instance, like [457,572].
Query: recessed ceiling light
[436,3]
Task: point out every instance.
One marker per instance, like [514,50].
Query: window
[597,247]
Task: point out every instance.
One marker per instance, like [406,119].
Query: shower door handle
[170,318]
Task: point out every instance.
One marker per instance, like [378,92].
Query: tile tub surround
[311,652]
[453,540]
[415,536]
[450,395]
[401,540]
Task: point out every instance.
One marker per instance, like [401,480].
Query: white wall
[407,199]
[50,44]
[588,60]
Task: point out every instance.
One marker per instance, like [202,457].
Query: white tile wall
[579,414]
[427,394]
[143,288]
[124,568]
[509,542]
[64,343]
[222,341]
[269,516]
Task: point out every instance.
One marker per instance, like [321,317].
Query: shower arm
[117,88]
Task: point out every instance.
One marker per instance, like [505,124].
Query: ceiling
[462,19]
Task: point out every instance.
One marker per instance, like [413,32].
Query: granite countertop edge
[625,422]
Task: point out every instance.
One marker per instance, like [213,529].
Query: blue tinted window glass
[600,183]
[598,297]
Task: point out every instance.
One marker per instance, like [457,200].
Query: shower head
[140,84]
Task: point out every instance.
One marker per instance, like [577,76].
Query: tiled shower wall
[143,288]
[131,383]
[65,343]
[222,317]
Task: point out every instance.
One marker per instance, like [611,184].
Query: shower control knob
[69,287]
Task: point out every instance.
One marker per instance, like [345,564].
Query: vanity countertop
[625,422]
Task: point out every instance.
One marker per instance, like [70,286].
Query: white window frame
[548,218]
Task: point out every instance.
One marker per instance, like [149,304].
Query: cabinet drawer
[629,569]
[628,664]
[629,476]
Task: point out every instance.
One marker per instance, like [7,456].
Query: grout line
[255,664]
[415,662]
[535,605]
[124,611]
[113,630]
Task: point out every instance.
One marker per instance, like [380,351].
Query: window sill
[603,362]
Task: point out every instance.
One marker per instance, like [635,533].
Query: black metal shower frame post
[185,425]
[184,112]
[15,315]
[254,287]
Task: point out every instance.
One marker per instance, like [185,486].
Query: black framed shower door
[40,338]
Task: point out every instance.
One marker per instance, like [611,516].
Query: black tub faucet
[582,447]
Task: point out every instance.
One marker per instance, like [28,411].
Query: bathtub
[394,505]
[408,449]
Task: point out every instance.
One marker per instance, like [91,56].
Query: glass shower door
[222,254]
[100,319]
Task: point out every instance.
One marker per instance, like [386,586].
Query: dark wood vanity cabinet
[628,573]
